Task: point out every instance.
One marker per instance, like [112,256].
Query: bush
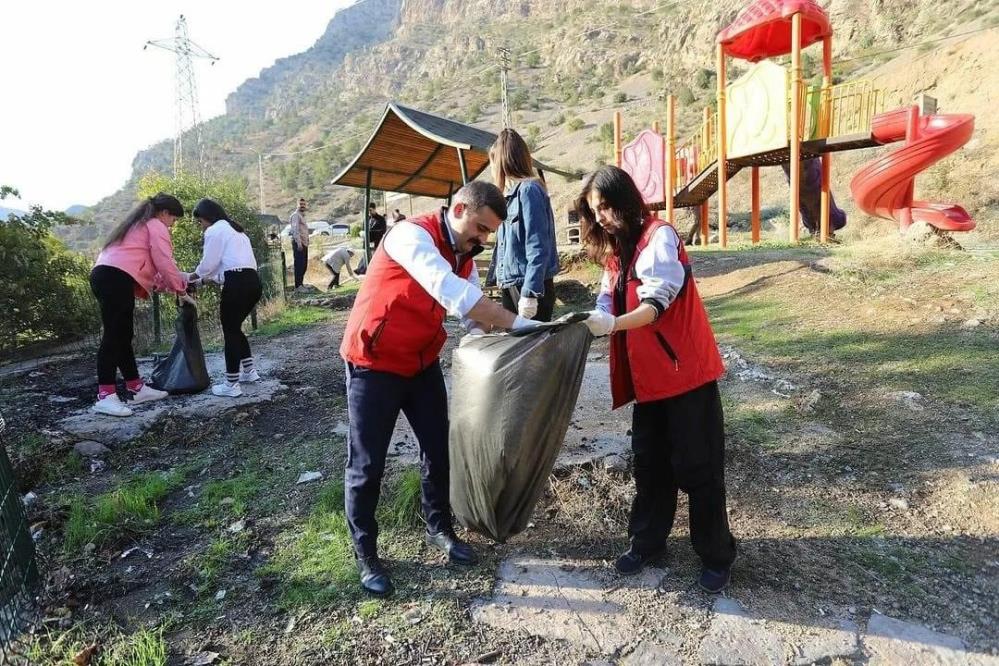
[685,95]
[44,288]
[533,60]
[356,229]
[657,74]
[620,98]
[557,120]
[703,78]
[575,124]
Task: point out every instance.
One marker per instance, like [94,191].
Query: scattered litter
[205,659]
[341,429]
[84,656]
[784,385]
[29,499]
[290,627]
[97,465]
[220,595]
[60,399]
[307,477]
[413,616]
[811,401]
[779,394]
[899,503]
[238,526]
[910,399]
[126,553]
[487,657]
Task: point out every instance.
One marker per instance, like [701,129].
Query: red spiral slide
[884,187]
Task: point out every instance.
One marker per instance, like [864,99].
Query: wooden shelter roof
[417,153]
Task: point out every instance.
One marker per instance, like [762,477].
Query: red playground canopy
[763,29]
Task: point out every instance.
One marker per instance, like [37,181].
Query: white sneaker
[249,377]
[148,394]
[112,406]
[227,390]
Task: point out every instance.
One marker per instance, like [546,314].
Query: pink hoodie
[146,253]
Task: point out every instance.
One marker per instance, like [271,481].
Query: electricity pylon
[188,115]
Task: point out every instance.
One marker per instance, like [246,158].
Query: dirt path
[864,517]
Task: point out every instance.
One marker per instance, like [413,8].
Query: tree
[44,289]
[620,98]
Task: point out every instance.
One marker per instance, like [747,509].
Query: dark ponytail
[211,211]
[146,209]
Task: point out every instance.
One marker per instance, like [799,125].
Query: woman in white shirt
[228,259]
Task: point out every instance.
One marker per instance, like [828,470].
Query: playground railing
[697,152]
[852,107]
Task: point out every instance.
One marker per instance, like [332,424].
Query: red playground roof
[763,29]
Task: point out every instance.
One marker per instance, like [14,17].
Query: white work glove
[475,330]
[600,323]
[527,307]
[519,323]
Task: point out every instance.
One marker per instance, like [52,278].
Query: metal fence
[154,317]
[19,572]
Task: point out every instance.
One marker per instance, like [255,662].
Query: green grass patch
[749,426]
[145,647]
[223,500]
[132,508]
[209,564]
[959,366]
[293,318]
[314,562]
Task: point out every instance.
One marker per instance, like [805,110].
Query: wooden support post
[367,218]
[825,200]
[720,127]
[462,166]
[795,145]
[617,138]
[755,196]
[670,154]
[705,225]
[655,127]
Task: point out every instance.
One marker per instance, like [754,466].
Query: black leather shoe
[457,550]
[633,561]
[374,578]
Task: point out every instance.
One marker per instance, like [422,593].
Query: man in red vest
[423,270]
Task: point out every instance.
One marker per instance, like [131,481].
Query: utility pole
[188,115]
[260,179]
[504,69]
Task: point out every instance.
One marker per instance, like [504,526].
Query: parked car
[321,228]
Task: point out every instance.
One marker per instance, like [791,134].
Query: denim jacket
[525,254]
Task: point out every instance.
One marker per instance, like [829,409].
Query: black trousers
[241,290]
[679,444]
[374,400]
[114,290]
[546,304]
[301,258]
[335,282]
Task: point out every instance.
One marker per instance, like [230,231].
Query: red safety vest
[675,354]
[395,325]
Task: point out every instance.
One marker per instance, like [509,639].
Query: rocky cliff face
[290,80]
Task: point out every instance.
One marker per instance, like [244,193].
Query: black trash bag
[183,369]
[512,400]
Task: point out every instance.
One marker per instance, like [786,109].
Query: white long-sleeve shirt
[225,249]
[659,269]
[412,247]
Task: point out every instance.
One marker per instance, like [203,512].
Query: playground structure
[770,117]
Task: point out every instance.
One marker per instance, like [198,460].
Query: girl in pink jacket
[137,259]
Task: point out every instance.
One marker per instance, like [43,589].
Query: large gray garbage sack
[512,399]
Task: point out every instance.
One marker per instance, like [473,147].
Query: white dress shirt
[412,247]
[225,249]
[659,269]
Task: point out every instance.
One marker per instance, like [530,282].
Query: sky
[79,97]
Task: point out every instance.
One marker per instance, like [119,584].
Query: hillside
[579,59]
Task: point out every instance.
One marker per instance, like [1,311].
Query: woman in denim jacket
[525,258]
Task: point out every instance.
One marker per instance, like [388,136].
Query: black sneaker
[457,550]
[633,561]
[375,579]
[714,580]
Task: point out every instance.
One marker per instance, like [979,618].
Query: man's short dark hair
[479,193]
[372,205]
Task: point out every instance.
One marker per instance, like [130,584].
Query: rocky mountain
[574,61]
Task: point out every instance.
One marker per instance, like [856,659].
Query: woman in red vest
[663,357]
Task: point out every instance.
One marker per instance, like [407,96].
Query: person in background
[377,225]
[526,259]
[424,270]
[137,259]
[337,259]
[228,260]
[663,357]
[299,233]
